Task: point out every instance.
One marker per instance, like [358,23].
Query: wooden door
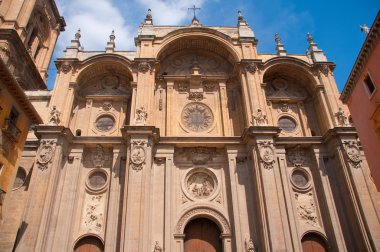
[313,243]
[202,235]
[89,244]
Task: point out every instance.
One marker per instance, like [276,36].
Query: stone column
[274,220]
[139,147]
[43,189]
[116,200]
[169,101]
[358,185]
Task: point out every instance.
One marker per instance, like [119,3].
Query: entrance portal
[202,235]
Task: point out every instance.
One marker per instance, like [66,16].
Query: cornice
[18,93]
[367,48]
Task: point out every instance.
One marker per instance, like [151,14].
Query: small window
[369,84]
[287,124]
[13,116]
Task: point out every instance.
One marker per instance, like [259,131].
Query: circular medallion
[97,180]
[200,185]
[300,179]
[105,123]
[287,124]
[197,117]
[138,155]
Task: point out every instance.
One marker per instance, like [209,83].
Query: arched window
[202,235]
[313,243]
[89,244]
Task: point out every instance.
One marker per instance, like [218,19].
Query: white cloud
[170,12]
[96,19]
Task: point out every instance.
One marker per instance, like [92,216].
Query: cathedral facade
[194,142]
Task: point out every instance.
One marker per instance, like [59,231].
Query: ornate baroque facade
[195,127]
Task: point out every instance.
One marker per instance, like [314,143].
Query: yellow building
[26,46]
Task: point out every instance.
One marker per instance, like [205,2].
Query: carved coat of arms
[137,159]
[45,153]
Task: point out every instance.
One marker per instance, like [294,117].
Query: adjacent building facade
[26,46]
[194,142]
[361,94]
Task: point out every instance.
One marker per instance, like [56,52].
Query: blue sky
[334,24]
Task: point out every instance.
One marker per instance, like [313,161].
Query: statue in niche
[157,247]
[342,118]
[259,119]
[141,116]
[54,116]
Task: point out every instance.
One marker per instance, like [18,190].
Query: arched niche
[313,242]
[200,68]
[89,243]
[289,90]
[204,212]
[102,97]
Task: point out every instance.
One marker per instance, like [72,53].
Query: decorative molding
[266,152]
[209,86]
[250,67]
[65,68]
[107,106]
[353,153]
[144,67]
[306,208]
[182,87]
[199,155]
[45,153]
[203,211]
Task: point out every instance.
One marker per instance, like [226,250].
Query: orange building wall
[362,108]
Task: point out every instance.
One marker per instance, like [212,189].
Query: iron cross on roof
[194,9]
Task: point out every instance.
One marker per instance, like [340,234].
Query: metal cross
[194,9]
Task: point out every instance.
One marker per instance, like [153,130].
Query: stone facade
[196,124]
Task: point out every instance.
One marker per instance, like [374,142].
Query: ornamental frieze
[199,155]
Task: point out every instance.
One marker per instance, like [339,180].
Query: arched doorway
[89,244]
[313,243]
[202,235]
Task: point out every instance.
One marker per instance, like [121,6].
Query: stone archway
[202,234]
[204,213]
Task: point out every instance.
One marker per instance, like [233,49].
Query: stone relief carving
[266,152]
[353,153]
[249,245]
[182,87]
[209,86]
[342,119]
[65,68]
[107,106]
[280,89]
[110,85]
[144,67]
[306,208]
[45,153]
[54,116]
[93,216]
[200,155]
[200,185]
[284,107]
[250,67]
[324,69]
[296,156]
[157,247]
[259,119]
[196,96]
[184,62]
[203,212]
[197,117]
[98,156]
[138,155]
[141,116]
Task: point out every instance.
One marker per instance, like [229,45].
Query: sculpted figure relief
[54,116]
[259,119]
[200,185]
[141,116]
[342,118]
